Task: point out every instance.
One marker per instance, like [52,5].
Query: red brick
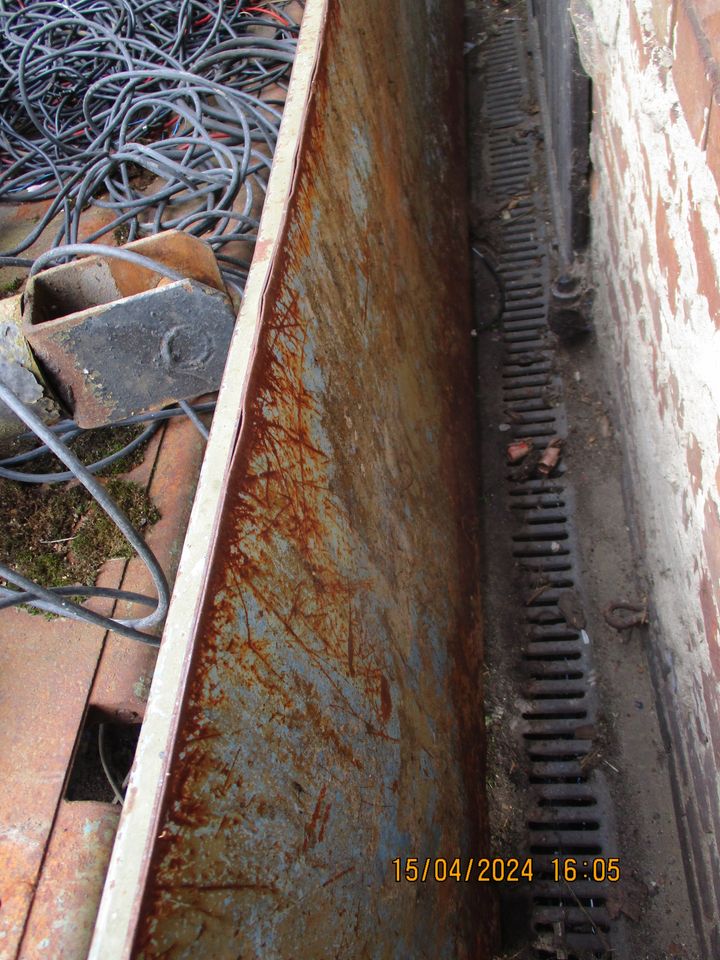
[640,41]
[663,17]
[693,456]
[710,619]
[612,233]
[647,178]
[672,171]
[708,16]
[693,70]
[627,300]
[706,259]
[711,540]
[638,300]
[645,258]
[654,305]
[677,402]
[713,139]
[614,307]
[685,511]
[618,149]
[657,325]
[712,706]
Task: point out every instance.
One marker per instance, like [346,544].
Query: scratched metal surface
[63,911]
[331,717]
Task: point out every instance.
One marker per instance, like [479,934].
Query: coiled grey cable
[131,627]
[94,96]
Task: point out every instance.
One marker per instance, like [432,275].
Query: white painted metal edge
[120,903]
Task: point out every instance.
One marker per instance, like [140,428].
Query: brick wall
[656,258]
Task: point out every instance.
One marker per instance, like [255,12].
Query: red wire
[216,135]
[270,13]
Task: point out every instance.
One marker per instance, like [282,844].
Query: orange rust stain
[385,699]
[321,834]
[337,876]
[311,826]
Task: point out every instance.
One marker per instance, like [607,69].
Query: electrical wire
[107,770]
[194,418]
[164,115]
[131,627]
[92,249]
[100,95]
[21,476]
[68,431]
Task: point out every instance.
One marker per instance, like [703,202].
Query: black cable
[68,431]
[494,272]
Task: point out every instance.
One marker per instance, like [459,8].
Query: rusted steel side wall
[332,716]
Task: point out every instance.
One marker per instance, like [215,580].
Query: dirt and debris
[518,450]
[571,607]
[506,779]
[550,457]
[527,468]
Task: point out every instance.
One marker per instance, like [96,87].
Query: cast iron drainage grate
[571,812]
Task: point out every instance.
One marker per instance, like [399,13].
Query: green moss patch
[58,535]
[10,287]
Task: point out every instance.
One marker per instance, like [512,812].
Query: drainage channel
[531,554]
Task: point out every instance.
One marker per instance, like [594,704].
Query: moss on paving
[10,287]
[98,539]
[58,535]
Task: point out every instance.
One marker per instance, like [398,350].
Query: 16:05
[598,869]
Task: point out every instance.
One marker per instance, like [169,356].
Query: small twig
[595,927]
[61,540]
[537,593]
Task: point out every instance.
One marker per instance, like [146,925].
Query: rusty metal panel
[316,709]
[63,913]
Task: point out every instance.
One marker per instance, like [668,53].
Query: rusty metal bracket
[19,371]
[115,339]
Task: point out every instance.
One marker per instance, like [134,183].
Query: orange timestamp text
[467,870]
